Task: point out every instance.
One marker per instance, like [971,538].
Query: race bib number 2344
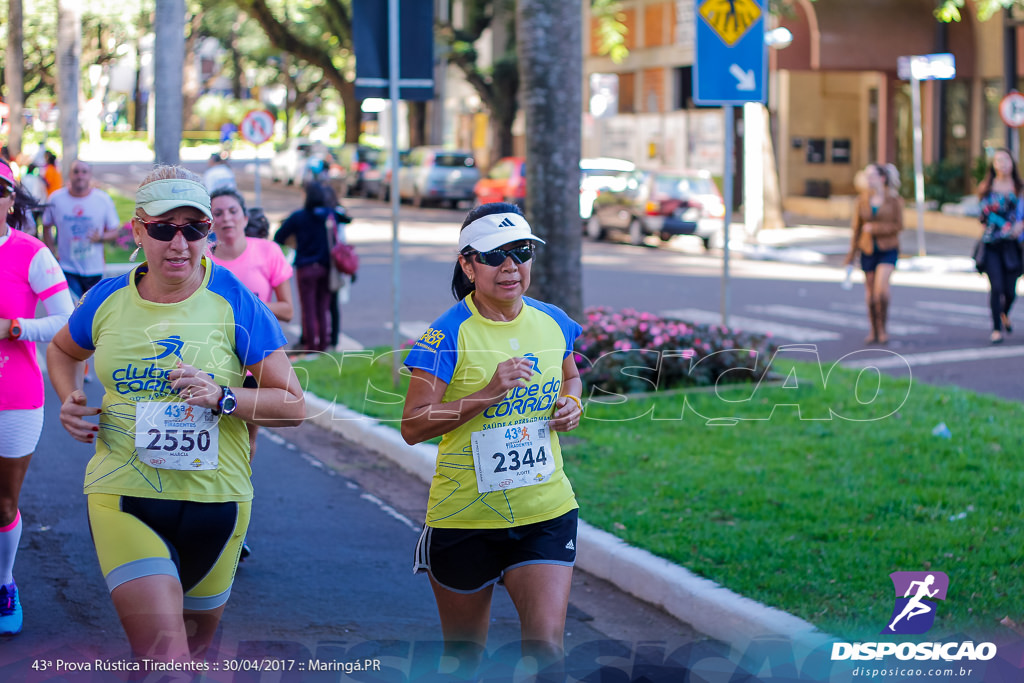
[511,457]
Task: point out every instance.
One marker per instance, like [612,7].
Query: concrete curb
[708,607]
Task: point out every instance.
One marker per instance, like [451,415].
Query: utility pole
[1010,73]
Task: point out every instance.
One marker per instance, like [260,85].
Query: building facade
[836,100]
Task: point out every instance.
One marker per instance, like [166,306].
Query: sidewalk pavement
[814,241]
[711,609]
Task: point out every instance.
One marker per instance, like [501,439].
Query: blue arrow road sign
[730,52]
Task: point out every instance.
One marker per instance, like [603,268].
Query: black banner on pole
[416,56]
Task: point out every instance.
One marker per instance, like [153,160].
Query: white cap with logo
[493,230]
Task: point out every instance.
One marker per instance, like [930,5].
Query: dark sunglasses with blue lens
[496,257]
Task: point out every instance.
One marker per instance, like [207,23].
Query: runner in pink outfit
[29,274]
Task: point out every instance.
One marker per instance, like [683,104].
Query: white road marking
[391,511]
[858,322]
[776,329]
[937,357]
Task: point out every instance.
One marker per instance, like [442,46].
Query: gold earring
[135,254]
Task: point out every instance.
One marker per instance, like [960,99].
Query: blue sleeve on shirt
[436,351]
[257,331]
[570,328]
[80,322]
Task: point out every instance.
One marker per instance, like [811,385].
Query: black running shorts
[467,560]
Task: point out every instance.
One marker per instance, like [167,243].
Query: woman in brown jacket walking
[877,222]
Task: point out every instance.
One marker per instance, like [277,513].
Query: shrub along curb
[710,608]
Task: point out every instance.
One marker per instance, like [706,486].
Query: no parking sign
[257,126]
[1011,109]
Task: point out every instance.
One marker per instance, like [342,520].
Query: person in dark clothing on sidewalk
[308,227]
[1000,197]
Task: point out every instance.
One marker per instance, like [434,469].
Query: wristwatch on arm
[227,403]
[15,332]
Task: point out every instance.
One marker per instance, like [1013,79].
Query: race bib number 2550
[176,436]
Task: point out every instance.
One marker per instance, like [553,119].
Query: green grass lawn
[804,495]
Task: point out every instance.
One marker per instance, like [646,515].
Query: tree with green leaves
[950,10]
[251,62]
[14,76]
[496,83]
[315,34]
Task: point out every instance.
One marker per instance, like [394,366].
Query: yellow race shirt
[463,348]
[220,329]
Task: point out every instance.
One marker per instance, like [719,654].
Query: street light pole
[727,183]
[396,262]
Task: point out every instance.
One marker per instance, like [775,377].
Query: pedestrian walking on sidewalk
[29,275]
[877,222]
[308,228]
[496,379]
[168,490]
[1000,197]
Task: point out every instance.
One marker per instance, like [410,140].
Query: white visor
[493,230]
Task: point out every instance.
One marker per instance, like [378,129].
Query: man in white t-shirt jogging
[85,218]
[218,175]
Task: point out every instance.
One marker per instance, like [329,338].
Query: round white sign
[257,126]
[1011,109]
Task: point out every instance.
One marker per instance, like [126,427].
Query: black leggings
[1003,266]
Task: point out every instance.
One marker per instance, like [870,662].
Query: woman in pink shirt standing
[258,263]
[29,274]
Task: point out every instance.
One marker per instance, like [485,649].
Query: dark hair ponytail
[461,285]
[24,205]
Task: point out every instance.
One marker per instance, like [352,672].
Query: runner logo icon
[172,344]
[534,361]
[914,609]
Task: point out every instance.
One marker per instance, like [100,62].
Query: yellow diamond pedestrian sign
[730,19]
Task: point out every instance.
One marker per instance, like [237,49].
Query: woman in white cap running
[169,490]
[495,378]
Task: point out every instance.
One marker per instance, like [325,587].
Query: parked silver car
[438,176]
[298,160]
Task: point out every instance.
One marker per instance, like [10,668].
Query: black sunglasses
[6,191]
[495,257]
[165,232]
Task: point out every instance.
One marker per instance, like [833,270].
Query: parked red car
[505,182]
